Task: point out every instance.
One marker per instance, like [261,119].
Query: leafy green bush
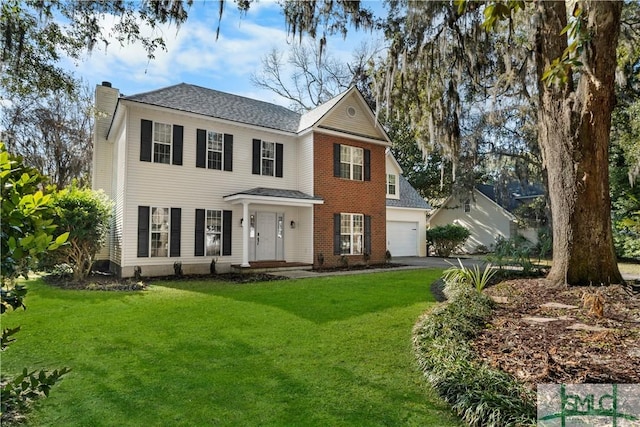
[27,234]
[85,214]
[515,251]
[447,238]
[479,394]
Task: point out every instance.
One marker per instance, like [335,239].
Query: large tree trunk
[574,121]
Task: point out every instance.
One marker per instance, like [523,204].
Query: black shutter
[176,214]
[336,160]
[228,152]
[367,234]
[201,148]
[199,247]
[367,165]
[227,219]
[146,133]
[336,234]
[279,153]
[143,231]
[178,133]
[256,157]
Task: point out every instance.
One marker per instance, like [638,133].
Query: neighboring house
[198,175]
[485,219]
[406,214]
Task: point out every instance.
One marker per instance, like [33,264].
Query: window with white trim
[162,142]
[215,146]
[160,232]
[213,233]
[351,162]
[351,234]
[391,184]
[268,158]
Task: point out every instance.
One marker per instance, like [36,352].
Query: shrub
[470,276]
[479,394]
[447,238]
[85,214]
[515,251]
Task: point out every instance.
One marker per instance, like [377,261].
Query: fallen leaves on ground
[534,344]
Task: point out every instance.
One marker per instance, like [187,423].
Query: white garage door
[402,238]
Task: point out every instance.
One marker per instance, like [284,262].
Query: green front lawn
[332,351]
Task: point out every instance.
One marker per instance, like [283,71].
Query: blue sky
[194,56]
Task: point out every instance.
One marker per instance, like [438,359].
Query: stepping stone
[590,328]
[539,319]
[558,305]
[500,300]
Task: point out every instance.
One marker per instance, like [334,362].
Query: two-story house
[198,175]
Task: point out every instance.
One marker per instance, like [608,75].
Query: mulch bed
[108,282]
[523,341]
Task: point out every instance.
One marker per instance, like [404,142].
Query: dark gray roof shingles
[276,192]
[221,105]
[409,197]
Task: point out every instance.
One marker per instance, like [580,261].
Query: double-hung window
[213,233]
[351,234]
[391,185]
[351,162]
[159,232]
[268,158]
[214,150]
[161,143]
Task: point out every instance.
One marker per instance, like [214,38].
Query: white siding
[361,124]
[486,220]
[305,164]
[189,188]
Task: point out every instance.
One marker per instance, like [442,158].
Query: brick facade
[348,196]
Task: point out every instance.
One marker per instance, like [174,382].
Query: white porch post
[246,225]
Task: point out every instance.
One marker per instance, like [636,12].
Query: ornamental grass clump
[479,394]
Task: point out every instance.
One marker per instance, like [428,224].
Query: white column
[246,225]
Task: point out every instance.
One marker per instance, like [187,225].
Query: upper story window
[268,158]
[392,189]
[214,150]
[351,234]
[351,162]
[161,143]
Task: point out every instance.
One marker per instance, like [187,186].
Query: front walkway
[408,263]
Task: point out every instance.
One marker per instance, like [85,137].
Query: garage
[402,238]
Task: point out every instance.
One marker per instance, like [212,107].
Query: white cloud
[195,56]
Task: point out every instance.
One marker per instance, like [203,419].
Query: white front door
[265,236]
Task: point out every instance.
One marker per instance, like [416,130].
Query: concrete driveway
[437,262]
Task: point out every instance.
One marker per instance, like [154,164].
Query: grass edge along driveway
[331,351]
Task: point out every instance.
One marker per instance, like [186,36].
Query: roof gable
[347,113]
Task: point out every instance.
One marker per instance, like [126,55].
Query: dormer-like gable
[347,114]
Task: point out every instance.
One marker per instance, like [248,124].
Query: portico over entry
[276,224]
